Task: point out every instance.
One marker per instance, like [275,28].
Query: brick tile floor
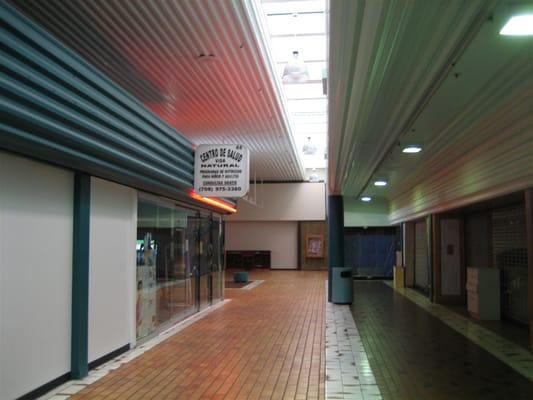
[267,343]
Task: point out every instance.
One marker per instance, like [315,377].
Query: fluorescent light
[380,182]
[366,199]
[519,25]
[412,149]
[212,201]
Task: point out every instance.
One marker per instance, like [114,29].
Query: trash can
[240,277]
[342,286]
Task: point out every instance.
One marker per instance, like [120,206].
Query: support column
[79,364]
[529,235]
[335,236]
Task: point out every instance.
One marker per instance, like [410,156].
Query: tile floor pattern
[414,355]
[512,354]
[348,372]
[66,390]
[231,285]
[267,343]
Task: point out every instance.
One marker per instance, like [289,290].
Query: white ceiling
[437,74]
[386,60]
[153,49]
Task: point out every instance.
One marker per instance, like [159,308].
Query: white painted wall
[112,267]
[36,206]
[281,238]
[284,202]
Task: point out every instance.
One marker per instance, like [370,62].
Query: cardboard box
[399,277]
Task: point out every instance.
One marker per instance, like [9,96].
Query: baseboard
[41,390]
[109,356]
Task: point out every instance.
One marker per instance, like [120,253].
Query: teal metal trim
[56,107]
[335,237]
[79,361]
[81,70]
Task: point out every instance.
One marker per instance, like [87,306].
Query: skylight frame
[311,106]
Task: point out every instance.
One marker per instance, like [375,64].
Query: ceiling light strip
[213,201]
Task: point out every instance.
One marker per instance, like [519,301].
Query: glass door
[166,284]
[217,272]
[199,256]
[193,236]
[205,252]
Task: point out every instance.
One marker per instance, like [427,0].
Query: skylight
[300,26]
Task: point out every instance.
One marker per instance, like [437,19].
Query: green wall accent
[80,277]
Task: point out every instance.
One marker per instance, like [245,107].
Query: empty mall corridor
[266,199]
[265,343]
[269,340]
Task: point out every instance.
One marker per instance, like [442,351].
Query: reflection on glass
[165,282]
[206,252]
[216,262]
[179,263]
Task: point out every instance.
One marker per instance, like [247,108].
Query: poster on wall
[221,170]
[314,246]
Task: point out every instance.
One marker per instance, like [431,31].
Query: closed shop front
[421,256]
[510,257]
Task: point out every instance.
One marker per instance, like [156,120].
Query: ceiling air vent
[206,58]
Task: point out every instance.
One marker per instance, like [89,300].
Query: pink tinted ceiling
[196,64]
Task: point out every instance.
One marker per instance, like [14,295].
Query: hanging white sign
[221,170]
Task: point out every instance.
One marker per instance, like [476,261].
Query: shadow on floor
[512,331]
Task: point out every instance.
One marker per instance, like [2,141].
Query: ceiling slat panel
[152,49]
[382,71]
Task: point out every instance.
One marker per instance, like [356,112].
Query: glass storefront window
[178,263]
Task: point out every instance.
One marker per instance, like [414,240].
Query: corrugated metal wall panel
[56,107]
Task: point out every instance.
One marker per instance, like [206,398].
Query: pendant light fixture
[295,71]
[309,149]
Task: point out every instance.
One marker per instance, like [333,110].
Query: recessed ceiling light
[519,25]
[366,199]
[380,182]
[412,149]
